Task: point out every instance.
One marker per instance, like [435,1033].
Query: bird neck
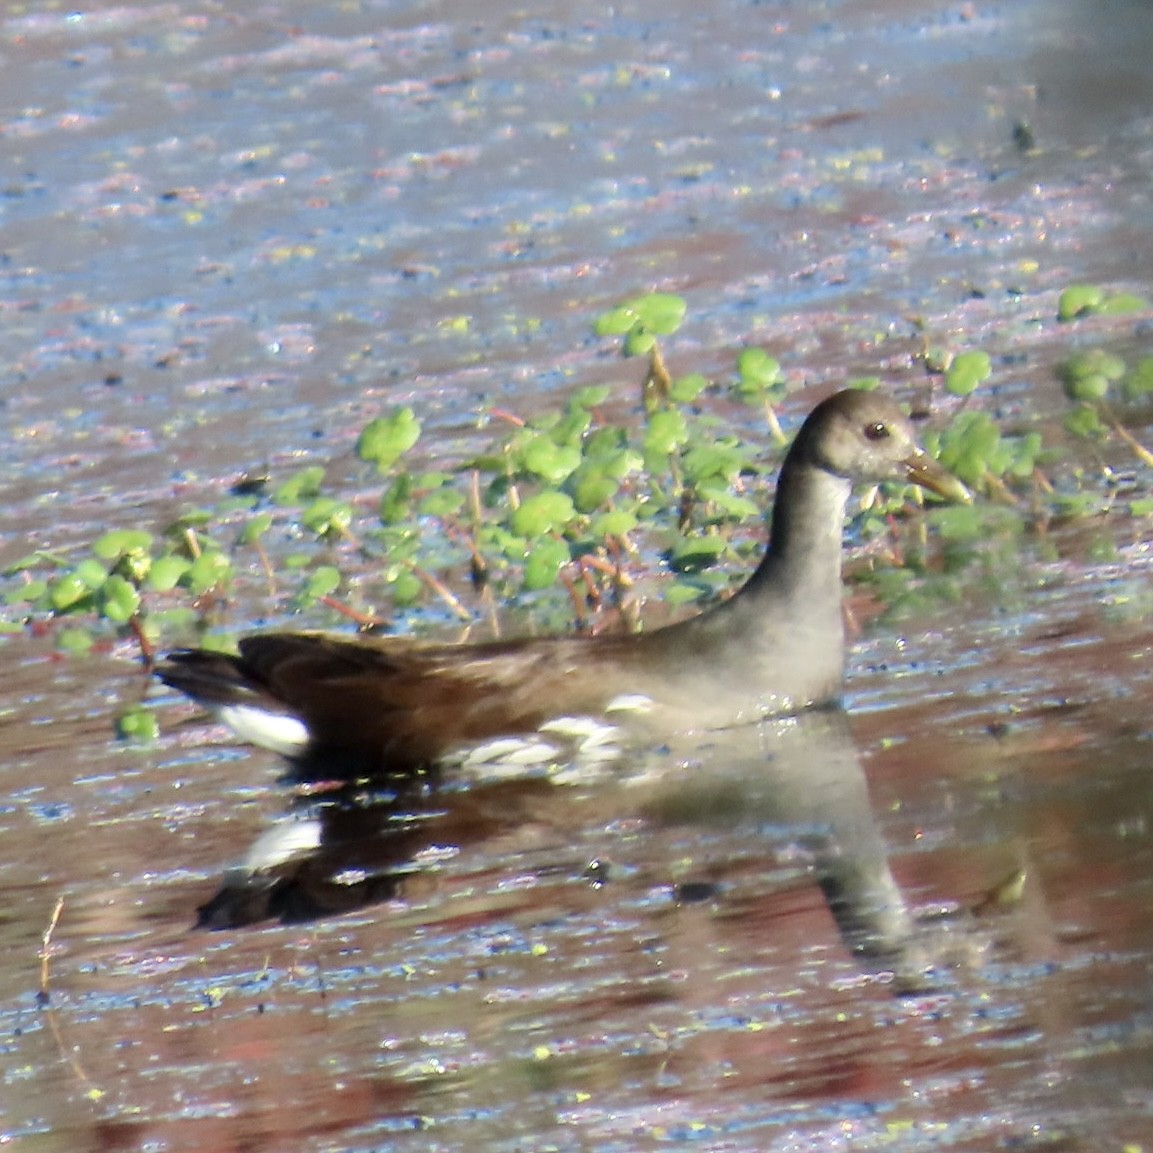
[778,644]
[803,561]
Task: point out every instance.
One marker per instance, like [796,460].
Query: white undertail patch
[280,732]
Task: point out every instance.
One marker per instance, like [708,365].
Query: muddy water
[229,236]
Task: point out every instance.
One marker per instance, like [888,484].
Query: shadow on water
[793,781]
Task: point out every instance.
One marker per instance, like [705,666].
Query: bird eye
[878,430]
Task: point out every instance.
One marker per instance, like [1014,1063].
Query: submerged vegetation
[578,498]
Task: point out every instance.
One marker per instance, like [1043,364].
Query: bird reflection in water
[793,780]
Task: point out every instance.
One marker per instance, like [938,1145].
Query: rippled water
[229,236]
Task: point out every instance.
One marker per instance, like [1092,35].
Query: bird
[343,707]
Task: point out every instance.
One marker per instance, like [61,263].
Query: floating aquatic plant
[1080,300]
[1093,377]
[566,499]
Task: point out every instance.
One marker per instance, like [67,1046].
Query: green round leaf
[1087,375]
[659,312]
[91,572]
[607,452]
[1139,383]
[166,572]
[545,559]
[26,592]
[667,430]
[592,488]
[552,462]
[255,527]
[1078,300]
[207,571]
[302,485]
[757,369]
[430,480]
[543,513]
[603,441]
[686,389]
[615,322]
[442,502]
[693,553]
[617,522]
[322,582]
[969,446]
[718,494]
[190,518]
[405,587]
[1122,303]
[120,599]
[967,371]
[117,543]
[1025,450]
[705,461]
[327,516]
[1084,421]
[32,561]
[68,592]
[682,593]
[137,725]
[1090,387]
[385,440]
[1097,360]
[639,342]
[591,396]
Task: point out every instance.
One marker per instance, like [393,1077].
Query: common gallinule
[358,706]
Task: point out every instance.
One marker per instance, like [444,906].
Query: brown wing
[388,704]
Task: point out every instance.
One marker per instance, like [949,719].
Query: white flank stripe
[510,751]
[586,729]
[630,703]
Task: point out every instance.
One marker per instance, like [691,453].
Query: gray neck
[803,563]
[780,641]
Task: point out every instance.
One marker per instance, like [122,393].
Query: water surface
[230,237]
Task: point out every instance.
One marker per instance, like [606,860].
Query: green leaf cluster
[974,448]
[641,320]
[153,581]
[1088,375]
[111,578]
[1091,379]
[570,495]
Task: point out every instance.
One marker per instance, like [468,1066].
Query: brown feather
[374,703]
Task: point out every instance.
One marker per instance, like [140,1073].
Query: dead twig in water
[93,1092]
[442,590]
[46,949]
[363,621]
